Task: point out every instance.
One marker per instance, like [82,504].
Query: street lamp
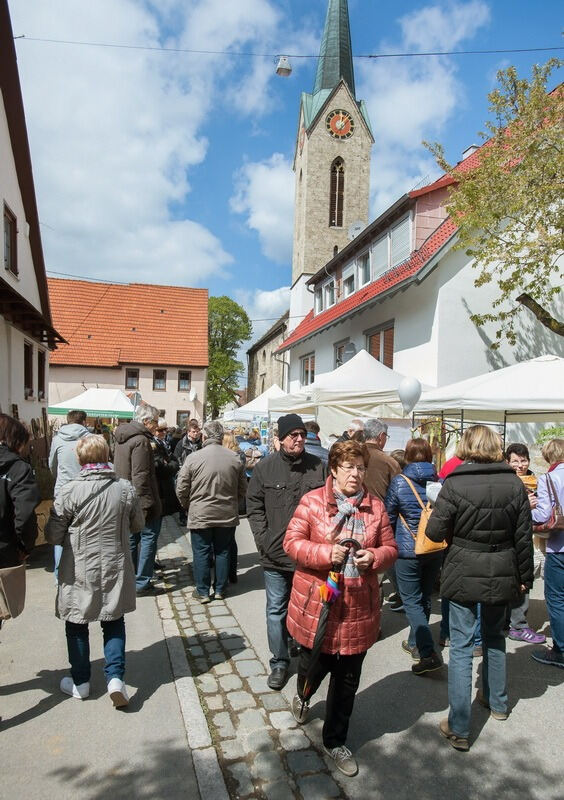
[284,67]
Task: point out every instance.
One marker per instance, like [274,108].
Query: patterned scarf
[96,467]
[349,524]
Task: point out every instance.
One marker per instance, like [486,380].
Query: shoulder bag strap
[552,495]
[414,490]
[92,496]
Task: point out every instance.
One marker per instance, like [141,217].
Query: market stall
[109,403]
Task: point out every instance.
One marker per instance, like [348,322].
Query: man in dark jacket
[190,442]
[278,483]
[313,442]
[134,460]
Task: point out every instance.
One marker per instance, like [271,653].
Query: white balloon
[409,392]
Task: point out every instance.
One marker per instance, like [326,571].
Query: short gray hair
[213,430]
[373,428]
[145,412]
[355,425]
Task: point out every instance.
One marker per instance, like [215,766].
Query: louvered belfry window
[337,193]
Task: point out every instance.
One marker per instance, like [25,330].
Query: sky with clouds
[175,167]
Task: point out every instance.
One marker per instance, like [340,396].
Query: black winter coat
[19,496]
[277,485]
[166,467]
[186,447]
[483,512]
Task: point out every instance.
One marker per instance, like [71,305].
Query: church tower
[331,161]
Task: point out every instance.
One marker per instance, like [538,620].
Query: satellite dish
[192,395]
[356,228]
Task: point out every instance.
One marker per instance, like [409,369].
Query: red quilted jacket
[354,619]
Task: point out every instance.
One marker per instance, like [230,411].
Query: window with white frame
[10,241]
[329,294]
[349,280]
[307,369]
[339,352]
[318,300]
[363,268]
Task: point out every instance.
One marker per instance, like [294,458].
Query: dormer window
[363,269]
[349,285]
[318,300]
[329,294]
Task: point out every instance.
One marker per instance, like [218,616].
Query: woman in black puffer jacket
[483,512]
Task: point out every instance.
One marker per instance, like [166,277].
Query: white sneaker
[118,693]
[81,691]
[344,760]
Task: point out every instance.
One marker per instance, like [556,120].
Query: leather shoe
[277,678]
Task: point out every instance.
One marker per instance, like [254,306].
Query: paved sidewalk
[263,753]
[54,746]
[203,723]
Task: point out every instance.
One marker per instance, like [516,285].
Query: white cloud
[115,133]
[412,99]
[264,193]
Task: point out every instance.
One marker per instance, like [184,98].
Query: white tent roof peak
[258,407]
[362,372]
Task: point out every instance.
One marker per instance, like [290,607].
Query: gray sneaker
[344,760]
[300,709]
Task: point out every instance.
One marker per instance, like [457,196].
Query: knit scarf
[349,524]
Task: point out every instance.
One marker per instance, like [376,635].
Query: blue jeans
[143,551]
[416,579]
[78,646]
[554,596]
[278,585]
[494,684]
[445,624]
[207,544]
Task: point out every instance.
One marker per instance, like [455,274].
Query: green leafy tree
[228,327]
[509,207]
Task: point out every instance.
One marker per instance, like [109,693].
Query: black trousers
[345,677]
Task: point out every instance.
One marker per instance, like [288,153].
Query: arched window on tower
[337,193]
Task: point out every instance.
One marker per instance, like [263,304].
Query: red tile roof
[108,324]
[396,276]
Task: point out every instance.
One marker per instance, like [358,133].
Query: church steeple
[335,56]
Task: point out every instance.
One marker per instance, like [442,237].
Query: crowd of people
[328,525]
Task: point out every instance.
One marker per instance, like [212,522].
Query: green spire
[335,56]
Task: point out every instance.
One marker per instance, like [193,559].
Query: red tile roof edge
[393,278]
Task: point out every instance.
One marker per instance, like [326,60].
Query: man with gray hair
[134,460]
[211,483]
[381,467]
[354,426]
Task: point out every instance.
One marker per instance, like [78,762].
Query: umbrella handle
[350,544]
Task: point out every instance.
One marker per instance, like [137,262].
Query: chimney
[469,150]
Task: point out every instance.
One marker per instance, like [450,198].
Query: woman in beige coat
[92,518]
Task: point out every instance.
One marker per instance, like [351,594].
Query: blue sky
[164,167]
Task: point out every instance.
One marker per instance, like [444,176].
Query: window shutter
[380,257]
[374,345]
[400,242]
[388,360]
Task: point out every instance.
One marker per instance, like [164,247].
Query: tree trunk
[543,316]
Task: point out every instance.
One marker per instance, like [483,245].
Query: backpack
[423,545]
[252,456]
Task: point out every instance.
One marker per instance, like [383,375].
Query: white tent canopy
[97,403]
[362,387]
[531,391]
[258,407]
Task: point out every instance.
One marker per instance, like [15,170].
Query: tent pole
[462,422]
[504,427]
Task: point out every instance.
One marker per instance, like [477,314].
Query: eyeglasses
[351,468]
[297,435]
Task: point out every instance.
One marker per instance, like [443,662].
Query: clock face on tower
[340,124]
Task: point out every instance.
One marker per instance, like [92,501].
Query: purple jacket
[544,508]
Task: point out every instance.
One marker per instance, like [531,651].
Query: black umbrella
[329,592]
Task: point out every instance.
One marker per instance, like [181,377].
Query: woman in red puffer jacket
[342,509]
